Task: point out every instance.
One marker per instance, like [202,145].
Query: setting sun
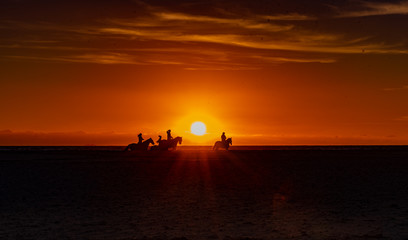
[198,128]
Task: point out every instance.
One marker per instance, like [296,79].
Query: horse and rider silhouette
[167,144]
[224,143]
[143,146]
[170,143]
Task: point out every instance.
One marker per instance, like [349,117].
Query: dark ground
[198,194]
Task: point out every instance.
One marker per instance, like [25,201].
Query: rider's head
[140,134]
[168,131]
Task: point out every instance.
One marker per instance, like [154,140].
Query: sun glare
[198,128]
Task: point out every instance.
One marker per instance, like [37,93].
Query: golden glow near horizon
[198,128]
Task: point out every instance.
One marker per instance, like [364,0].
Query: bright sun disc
[198,128]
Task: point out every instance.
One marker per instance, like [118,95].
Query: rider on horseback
[140,138]
[169,137]
[223,137]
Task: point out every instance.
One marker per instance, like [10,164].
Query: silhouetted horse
[142,146]
[166,144]
[221,144]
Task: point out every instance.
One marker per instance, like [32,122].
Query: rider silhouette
[140,138]
[223,137]
[169,137]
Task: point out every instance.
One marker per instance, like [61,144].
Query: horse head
[179,139]
[150,140]
[229,141]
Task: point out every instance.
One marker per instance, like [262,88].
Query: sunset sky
[265,72]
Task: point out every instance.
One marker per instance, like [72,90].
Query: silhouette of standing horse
[221,144]
[166,144]
[141,146]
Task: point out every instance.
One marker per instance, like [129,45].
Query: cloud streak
[378,9]
[403,118]
[397,88]
[242,23]
[293,41]
[295,60]
[228,40]
[30,138]
[86,58]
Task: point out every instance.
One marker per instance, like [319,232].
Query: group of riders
[169,137]
[171,143]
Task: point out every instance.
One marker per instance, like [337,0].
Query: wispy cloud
[113,58]
[193,60]
[243,23]
[164,37]
[403,118]
[288,17]
[293,41]
[378,8]
[397,88]
[15,138]
[295,60]
[46,47]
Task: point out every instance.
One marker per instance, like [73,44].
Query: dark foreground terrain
[199,194]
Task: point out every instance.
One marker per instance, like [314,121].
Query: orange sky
[265,73]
